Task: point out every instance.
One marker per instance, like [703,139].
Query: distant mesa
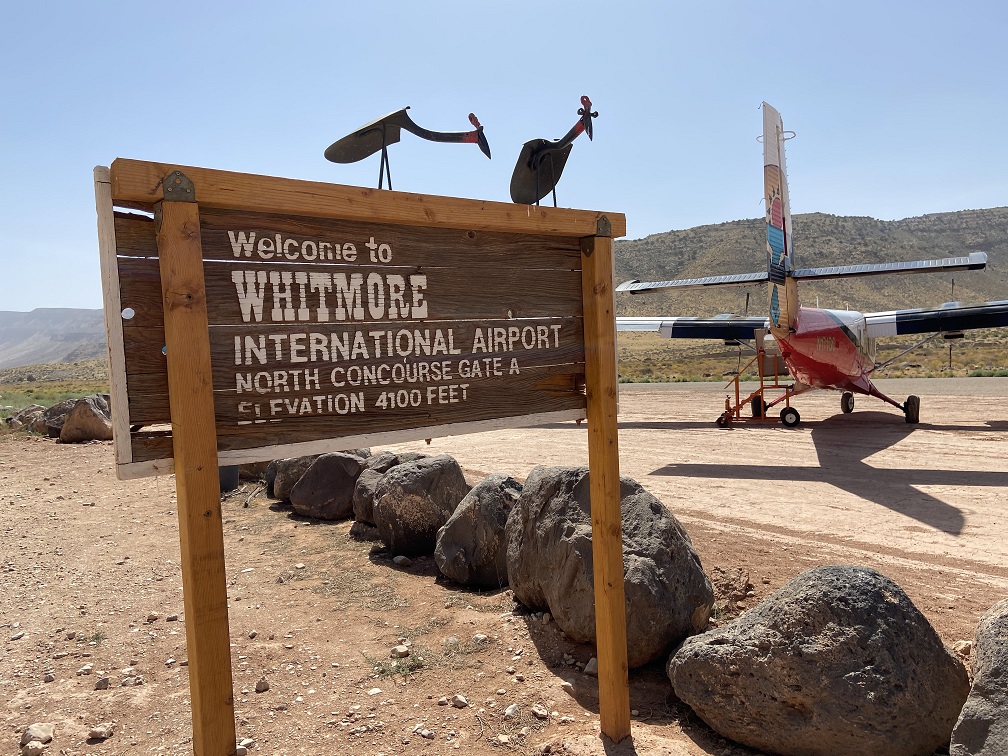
[51,335]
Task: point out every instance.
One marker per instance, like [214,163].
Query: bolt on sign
[251,318]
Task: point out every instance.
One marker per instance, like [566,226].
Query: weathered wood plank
[471,292]
[264,238]
[135,235]
[122,449]
[267,453]
[476,292]
[140,291]
[603,460]
[532,344]
[137,183]
[536,391]
[316,240]
[201,526]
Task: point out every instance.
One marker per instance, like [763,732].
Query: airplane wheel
[847,402]
[758,407]
[790,417]
[911,409]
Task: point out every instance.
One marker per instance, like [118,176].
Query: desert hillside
[50,334]
[820,240]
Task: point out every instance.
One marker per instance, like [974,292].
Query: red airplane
[820,349]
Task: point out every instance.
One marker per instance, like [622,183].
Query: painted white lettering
[265,245]
[321,282]
[242,243]
[301,279]
[349,297]
[251,288]
[418,283]
[253,347]
[397,304]
[297,347]
[281,284]
[376,295]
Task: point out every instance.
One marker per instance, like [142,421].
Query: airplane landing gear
[911,409]
[789,417]
[847,402]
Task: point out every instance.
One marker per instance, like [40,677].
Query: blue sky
[899,107]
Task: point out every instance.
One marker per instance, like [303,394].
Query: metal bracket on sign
[178,188]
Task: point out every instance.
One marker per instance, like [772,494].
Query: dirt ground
[91,576]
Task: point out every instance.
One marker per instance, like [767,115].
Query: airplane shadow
[843,443]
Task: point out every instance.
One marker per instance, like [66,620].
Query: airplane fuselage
[829,349]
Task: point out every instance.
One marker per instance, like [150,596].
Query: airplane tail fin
[783,292]
[781,274]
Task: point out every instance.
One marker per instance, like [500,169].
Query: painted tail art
[782,291]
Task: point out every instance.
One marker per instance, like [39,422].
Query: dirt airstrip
[91,576]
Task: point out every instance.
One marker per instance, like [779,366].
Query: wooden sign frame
[186,277]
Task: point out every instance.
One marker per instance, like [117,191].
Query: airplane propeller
[541,161]
[379,134]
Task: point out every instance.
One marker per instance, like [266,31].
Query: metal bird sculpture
[541,161]
[378,135]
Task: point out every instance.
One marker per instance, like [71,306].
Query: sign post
[197,484]
[604,482]
[251,318]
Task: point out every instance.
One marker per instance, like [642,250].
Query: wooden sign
[328,333]
[251,318]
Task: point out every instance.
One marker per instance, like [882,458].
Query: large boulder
[550,566]
[326,488]
[375,468]
[364,491]
[982,729]
[89,420]
[413,500]
[26,416]
[287,473]
[839,660]
[51,421]
[283,474]
[471,548]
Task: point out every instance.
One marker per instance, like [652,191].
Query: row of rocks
[837,661]
[537,538]
[71,421]
[550,566]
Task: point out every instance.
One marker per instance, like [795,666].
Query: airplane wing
[952,317]
[737,279]
[725,327]
[972,261]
